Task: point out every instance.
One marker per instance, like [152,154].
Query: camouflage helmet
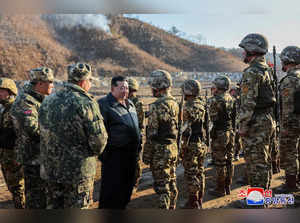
[290,54]
[78,72]
[43,74]
[222,82]
[255,43]
[9,84]
[191,87]
[133,84]
[160,79]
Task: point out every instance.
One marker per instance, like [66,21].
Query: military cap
[133,84]
[160,79]
[79,71]
[255,43]
[191,87]
[9,84]
[43,74]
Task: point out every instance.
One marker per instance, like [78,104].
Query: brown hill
[109,54]
[25,43]
[173,50]
[133,48]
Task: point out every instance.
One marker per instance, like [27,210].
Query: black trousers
[118,176]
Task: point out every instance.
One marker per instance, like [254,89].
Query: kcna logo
[255,195]
[259,196]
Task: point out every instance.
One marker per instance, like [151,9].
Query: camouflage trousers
[163,166]
[13,176]
[222,148]
[289,152]
[138,173]
[257,150]
[34,188]
[237,143]
[193,163]
[70,195]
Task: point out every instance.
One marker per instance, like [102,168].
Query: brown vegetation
[133,48]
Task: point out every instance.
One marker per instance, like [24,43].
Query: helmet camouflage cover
[290,54]
[9,84]
[222,82]
[160,79]
[78,72]
[133,84]
[255,43]
[191,87]
[43,74]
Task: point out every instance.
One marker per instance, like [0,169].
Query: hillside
[173,50]
[132,48]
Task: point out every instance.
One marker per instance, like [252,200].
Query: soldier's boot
[228,179]
[289,186]
[19,200]
[219,191]
[275,167]
[192,202]
[200,199]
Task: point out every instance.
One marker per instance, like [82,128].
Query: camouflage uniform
[255,116]
[290,115]
[12,171]
[193,149]
[25,117]
[72,135]
[222,114]
[160,150]
[133,86]
[237,138]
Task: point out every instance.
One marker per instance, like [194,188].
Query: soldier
[289,90]
[234,92]
[25,117]
[72,136]
[133,88]
[11,169]
[256,123]
[160,150]
[222,114]
[194,149]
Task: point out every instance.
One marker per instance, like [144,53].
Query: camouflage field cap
[133,84]
[9,84]
[44,74]
[222,82]
[160,79]
[79,71]
[255,43]
[191,87]
[290,54]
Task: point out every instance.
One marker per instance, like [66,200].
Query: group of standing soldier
[52,142]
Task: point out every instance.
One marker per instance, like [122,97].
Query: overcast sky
[225,23]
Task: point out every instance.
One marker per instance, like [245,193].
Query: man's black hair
[115,79]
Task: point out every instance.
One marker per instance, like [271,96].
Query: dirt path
[145,197]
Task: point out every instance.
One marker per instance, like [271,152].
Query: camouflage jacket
[139,110]
[7,130]
[25,118]
[163,120]
[222,112]
[257,95]
[289,99]
[72,134]
[193,119]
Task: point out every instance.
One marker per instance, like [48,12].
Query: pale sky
[225,23]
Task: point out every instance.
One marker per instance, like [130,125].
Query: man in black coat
[120,155]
